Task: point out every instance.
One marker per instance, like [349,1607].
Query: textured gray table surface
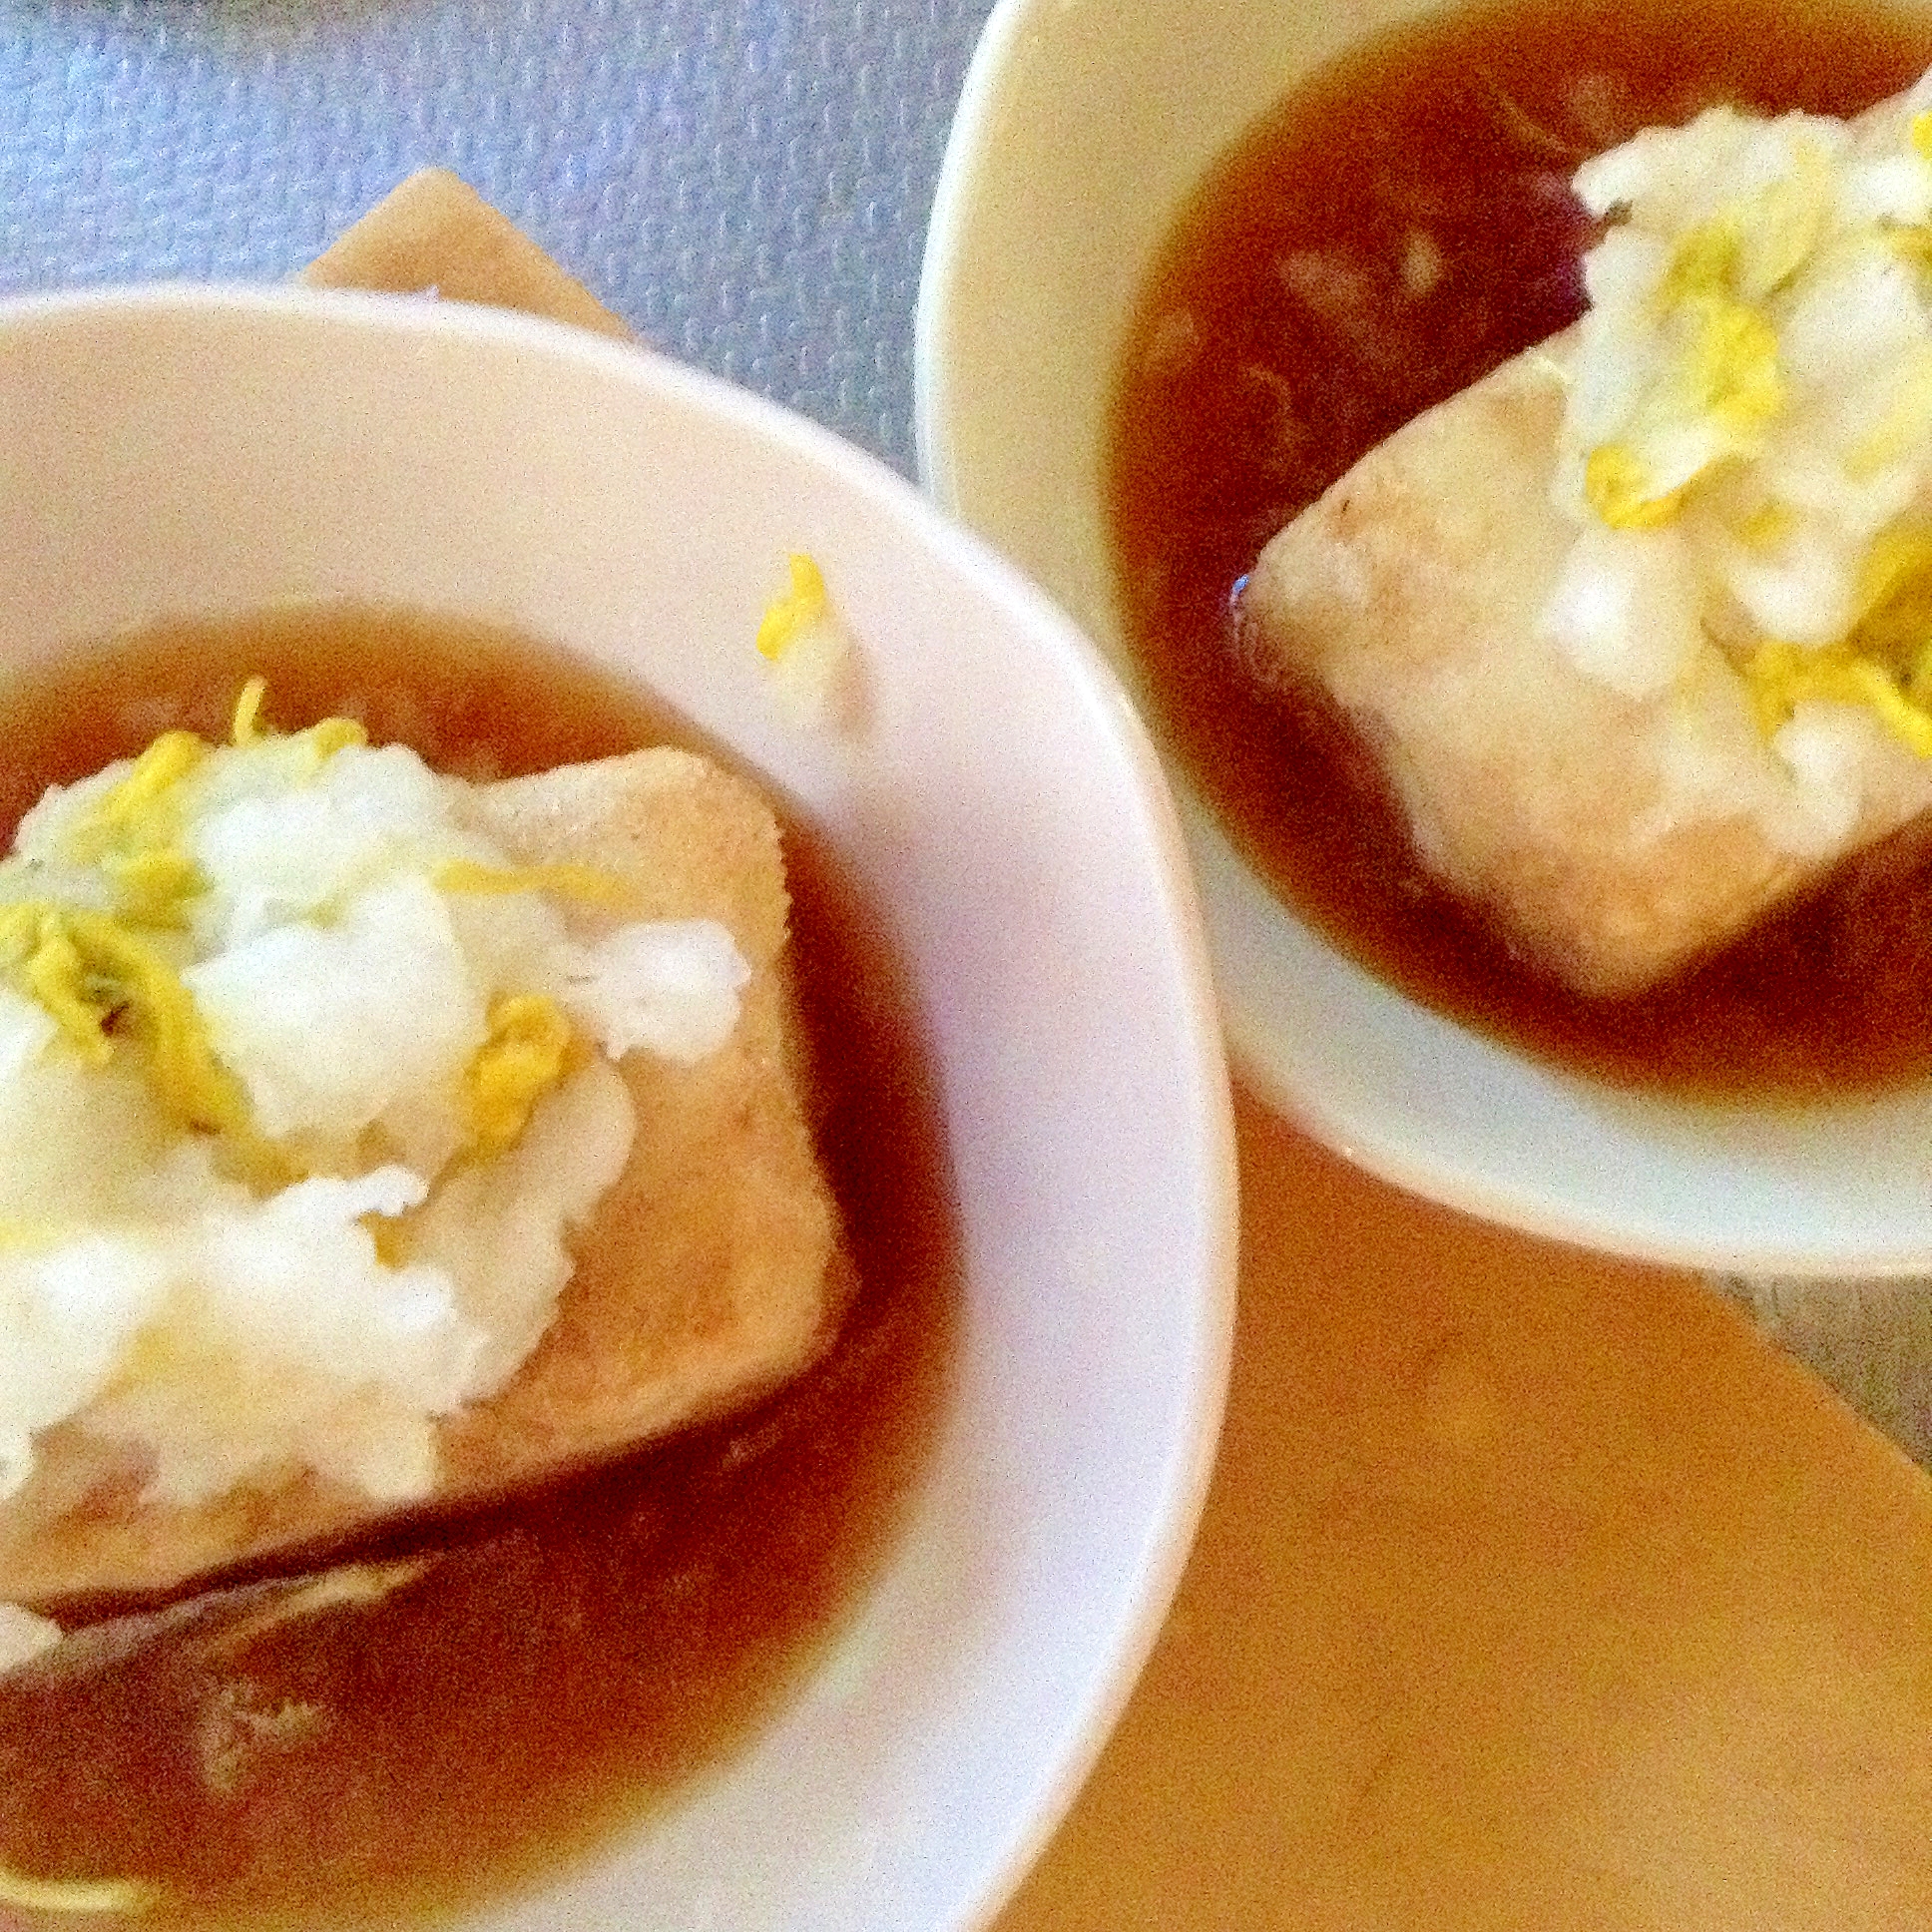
[745,182]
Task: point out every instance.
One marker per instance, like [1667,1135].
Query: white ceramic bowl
[203,451]
[1083,127]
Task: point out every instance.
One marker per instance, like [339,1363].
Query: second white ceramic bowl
[1082,128]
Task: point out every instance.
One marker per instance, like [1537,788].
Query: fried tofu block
[1611,839]
[713,1272]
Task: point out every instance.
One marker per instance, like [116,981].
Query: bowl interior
[1082,128]
[201,452]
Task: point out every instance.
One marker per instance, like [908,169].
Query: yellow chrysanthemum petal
[334,735]
[1618,487]
[583,883]
[802,605]
[1732,370]
[245,727]
[525,1055]
[154,885]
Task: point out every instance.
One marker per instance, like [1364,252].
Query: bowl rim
[968,139]
[1174,1512]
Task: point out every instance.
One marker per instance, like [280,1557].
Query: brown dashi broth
[1393,231]
[572,1655]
